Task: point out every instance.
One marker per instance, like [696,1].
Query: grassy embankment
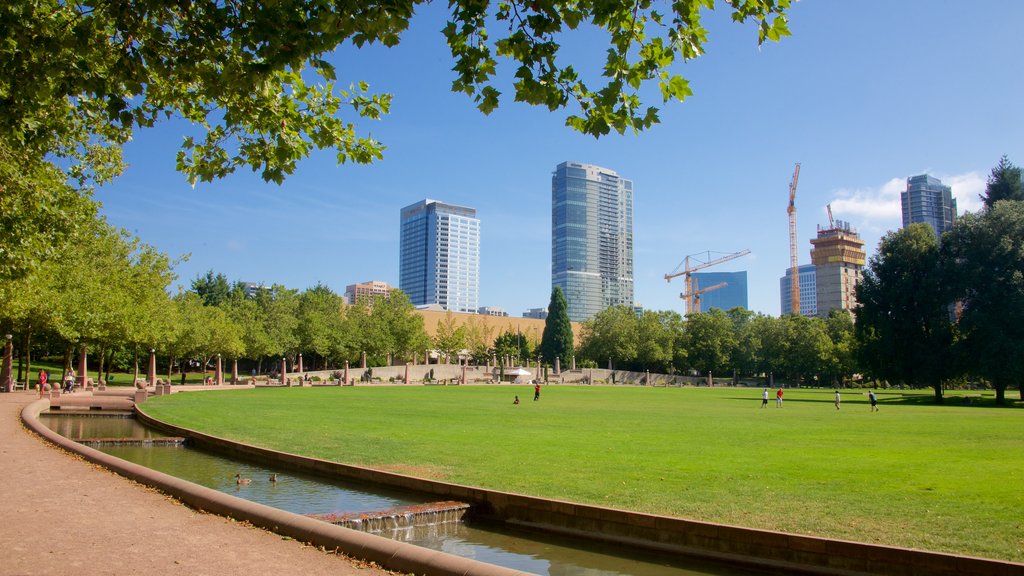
[944,478]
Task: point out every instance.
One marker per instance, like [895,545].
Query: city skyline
[713,175]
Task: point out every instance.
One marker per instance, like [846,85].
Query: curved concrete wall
[391,554]
[785,553]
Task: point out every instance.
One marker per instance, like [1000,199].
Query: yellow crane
[697,294]
[691,293]
[794,265]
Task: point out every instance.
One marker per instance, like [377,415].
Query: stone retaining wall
[786,553]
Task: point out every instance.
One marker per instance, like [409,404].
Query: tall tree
[213,289]
[450,339]
[1004,183]
[556,342]
[513,344]
[903,328]
[984,258]
[808,347]
[710,340]
[78,78]
[319,322]
[656,340]
[610,337]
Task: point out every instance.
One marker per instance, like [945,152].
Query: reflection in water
[293,491]
[80,426]
[305,494]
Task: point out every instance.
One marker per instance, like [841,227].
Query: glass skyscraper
[591,238]
[439,256]
[732,295]
[927,200]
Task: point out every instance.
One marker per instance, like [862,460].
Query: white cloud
[235,245]
[880,203]
[966,189]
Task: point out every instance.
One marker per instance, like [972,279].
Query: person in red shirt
[778,398]
[536,391]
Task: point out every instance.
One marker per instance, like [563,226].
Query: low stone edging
[789,553]
[390,554]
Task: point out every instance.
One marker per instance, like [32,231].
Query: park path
[62,515]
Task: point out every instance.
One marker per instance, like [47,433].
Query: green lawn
[945,478]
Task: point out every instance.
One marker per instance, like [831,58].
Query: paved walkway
[61,515]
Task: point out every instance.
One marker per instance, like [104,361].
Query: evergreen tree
[557,339]
[1004,183]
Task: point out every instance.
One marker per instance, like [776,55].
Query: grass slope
[942,478]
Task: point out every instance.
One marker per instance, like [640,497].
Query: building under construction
[838,257]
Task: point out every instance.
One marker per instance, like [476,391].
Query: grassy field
[945,478]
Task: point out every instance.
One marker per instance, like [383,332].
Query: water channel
[308,494]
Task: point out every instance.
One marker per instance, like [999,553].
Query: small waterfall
[160,441]
[399,518]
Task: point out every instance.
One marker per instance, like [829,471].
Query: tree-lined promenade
[912,474]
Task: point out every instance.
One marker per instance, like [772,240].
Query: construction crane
[794,265]
[690,293]
[697,294]
[831,222]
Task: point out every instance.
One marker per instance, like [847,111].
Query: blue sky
[864,94]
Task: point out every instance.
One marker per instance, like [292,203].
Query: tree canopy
[984,256]
[76,79]
[903,321]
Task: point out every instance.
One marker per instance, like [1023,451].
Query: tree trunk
[259,365]
[938,393]
[67,362]
[28,359]
[110,360]
[1000,393]
[103,358]
[136,361]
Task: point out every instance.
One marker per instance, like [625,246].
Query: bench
[16,385]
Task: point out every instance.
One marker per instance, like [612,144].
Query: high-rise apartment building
[807,280]
[732,295]
[927,200]
[838,257]
[439,256]
[591,238]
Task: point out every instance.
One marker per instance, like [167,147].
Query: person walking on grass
[874,400]
[764,398]
[536,390]
[837,399]
[778,398]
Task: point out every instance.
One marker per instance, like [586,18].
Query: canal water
[313,495]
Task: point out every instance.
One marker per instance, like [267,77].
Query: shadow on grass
[965,399]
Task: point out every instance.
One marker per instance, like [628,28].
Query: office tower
[808,291]
[591,238]
[439,257]
[927,200]
[732,295]
[838,257]
[354,292]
